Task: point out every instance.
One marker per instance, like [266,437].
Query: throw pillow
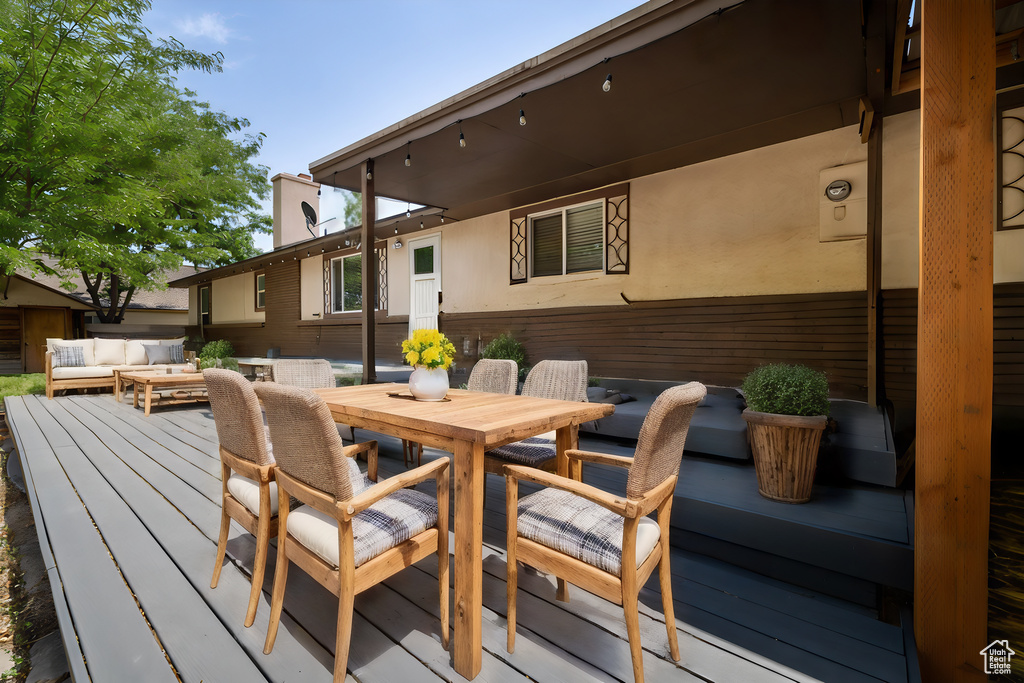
[177,353]
[626,398]
[68,356]
[595,394]
[158,354]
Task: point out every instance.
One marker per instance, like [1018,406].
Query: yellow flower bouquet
[428,349]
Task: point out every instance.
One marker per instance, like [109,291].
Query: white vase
[428,384]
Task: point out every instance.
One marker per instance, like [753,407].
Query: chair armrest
[353,506]
[368,447]
[599,458]
[621,506]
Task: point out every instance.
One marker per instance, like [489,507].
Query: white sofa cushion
[108,351]
[247,492]
[87,349]
[135,352]
[173,342]
[86,372]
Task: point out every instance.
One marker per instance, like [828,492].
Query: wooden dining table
[465,424]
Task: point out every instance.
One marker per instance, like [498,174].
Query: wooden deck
[127,510]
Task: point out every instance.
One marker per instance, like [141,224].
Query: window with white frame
[347,284]
[568,240]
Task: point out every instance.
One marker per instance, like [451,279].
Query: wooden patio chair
[491,375]
[351,532]
[601,542]
[308,373]
[565,380]
[248,491]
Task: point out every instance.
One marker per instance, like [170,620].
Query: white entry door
[425,279]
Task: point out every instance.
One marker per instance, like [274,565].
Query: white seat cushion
[381,527]
[582,529]
[247,492]
[83,372]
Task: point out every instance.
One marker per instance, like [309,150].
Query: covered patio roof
[691,80]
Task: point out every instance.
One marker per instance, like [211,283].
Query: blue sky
[315,76]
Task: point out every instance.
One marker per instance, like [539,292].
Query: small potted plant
[787,411]
[431,354]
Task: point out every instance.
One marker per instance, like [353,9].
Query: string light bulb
[607,83]
[462,137]
[522,118]
[421,225]
[408,210]
[369,175]
[408,155]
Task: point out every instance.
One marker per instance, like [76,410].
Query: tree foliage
[105,164]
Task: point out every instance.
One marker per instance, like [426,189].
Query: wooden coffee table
[158,381]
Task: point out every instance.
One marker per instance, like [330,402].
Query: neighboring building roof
[169,299]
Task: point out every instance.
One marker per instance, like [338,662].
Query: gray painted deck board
[197,644]
[158,477]
[105,614]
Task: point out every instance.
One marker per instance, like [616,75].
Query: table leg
[149,398]
[117,386]
[468,479]
[135,394]
[566,438]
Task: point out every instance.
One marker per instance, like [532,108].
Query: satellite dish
[310,213]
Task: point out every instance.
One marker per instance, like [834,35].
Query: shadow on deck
[120,499]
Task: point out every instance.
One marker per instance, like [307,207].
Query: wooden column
[954,373]
[871,129]
[369,275]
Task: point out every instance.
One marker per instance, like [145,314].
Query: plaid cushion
[582,529]
[68,356]
[177,353]
[531,452]
[381,527]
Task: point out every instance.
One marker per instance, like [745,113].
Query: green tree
[105,164]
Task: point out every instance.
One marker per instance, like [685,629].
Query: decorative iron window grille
[1011,170]
[616,230]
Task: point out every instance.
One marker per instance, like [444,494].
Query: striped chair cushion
[381,527]
[532,451]
[582,529]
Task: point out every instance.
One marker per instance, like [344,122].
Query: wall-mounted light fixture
[398,244]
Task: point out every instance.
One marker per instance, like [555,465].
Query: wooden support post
[871,132]
[369,275]
[954,373]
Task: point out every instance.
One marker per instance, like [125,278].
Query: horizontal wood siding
[10,341]
[899,334]
[283,328]
[712,340]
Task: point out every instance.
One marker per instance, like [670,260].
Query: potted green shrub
[218,354]
[506,347]
[787,411]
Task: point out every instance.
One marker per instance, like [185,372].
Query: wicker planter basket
[785,449]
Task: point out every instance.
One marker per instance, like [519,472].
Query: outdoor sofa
[717,427]
[90,363]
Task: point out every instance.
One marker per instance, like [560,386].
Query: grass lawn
[19,385]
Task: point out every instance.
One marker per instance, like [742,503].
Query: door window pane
[423,260]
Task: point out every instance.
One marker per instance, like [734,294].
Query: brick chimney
[290,224]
